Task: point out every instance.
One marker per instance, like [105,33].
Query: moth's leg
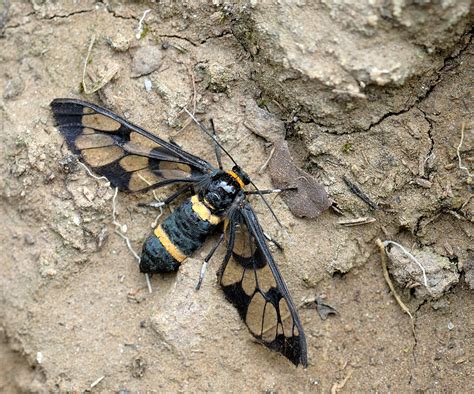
[206,260]
[168,200]
[273,241]
[270,191]
[217,149]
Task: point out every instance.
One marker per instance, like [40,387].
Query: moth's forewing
[123,153]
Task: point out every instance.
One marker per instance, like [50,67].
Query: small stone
[469,272]
[218,78]
[119,43]
[39,357]
[450,325]
[13,88]
[146,60]
[88,193]
[423,183]
[148,84]
[29,240]
[442,303]
[102,237]
[440,276]
[47,272]
[136,296]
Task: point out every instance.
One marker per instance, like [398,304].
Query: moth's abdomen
[179,236]
[155,258]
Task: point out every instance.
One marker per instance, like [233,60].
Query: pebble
[29,240]
[119,43]
[88,194]
[146,60]
[148,84]
[450,325]
[13,88]
[423,183]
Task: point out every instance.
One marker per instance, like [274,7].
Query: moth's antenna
[266,203]
[201,126]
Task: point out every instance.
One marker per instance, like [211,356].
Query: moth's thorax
[221,191]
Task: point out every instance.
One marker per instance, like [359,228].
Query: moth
[216,203]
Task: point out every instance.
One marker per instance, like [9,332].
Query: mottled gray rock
[13,88]
[263,123]
[469,272]
[440,275]
[146,60]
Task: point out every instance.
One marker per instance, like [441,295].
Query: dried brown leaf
[310,199]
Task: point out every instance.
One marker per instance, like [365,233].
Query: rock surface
[338,64]
[374,92]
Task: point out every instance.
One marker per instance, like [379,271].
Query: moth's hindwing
[251,281]
[130,157]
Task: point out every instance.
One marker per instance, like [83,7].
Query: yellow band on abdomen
[168,245]
[203,212]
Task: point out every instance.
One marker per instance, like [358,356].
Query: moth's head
[220,192]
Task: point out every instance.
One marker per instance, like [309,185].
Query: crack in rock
[416,102]
[45,18]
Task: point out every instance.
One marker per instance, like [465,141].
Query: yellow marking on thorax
[168,245]
[237,178]
[203,212]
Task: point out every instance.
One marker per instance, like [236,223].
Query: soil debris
[138,367]
[324,310]
[356,189]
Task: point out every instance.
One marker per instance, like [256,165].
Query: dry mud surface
[74,307]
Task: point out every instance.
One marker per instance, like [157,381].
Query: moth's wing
[253,284]
[132,158]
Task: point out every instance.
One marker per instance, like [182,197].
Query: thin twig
[121,230]
[193,81]
[458,151]
[357,221]
[383,260]
[339,385]
[264,165]
[96,382]
[84,70]
[359,193]
[105,79]
[188,121]
[155,222]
